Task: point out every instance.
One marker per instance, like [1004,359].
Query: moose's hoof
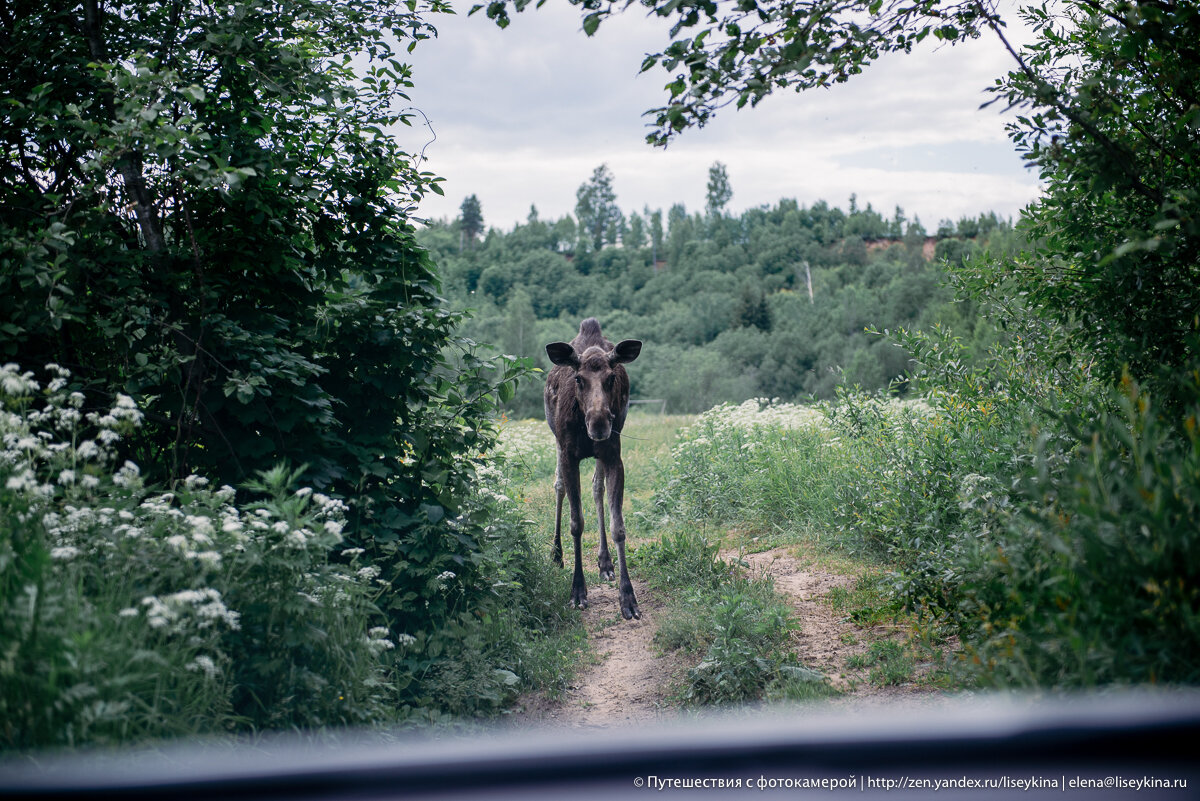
[607,575]
[578,603]
[629,605]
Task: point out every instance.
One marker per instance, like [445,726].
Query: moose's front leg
[569,473]
[616,494]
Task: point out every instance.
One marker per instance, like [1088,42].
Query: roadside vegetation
[253,475]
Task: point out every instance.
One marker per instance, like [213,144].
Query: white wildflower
[128,476]
[158,614]
[203,664]
[64,553]
[195,482]
[21,481]
[201,526]
[377,646]
[17,384]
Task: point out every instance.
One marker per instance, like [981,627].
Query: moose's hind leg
[616,495]
[603,557]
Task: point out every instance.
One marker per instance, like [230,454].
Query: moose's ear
[563,354]
[626,351]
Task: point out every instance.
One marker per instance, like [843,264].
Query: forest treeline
[776,301]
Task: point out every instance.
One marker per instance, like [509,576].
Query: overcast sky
[523,116]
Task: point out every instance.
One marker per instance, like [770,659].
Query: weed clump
[738,623]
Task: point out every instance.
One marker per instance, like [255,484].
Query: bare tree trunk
[129,164]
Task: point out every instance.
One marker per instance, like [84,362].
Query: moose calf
[587,398]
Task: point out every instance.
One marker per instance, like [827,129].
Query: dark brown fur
[587,398]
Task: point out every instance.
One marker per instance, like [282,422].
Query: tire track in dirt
[627,683]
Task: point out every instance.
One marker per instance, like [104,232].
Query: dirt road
[630,680]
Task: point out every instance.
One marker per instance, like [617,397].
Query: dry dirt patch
[828,639]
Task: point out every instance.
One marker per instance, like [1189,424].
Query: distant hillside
[722,303]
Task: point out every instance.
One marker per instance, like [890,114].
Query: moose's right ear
[563,354]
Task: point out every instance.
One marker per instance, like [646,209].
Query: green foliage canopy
[205,208]
[740,51]
[1112,120]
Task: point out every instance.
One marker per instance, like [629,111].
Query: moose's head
[601,384]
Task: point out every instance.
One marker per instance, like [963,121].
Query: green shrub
[129,613]
[1095,578]
[890,662]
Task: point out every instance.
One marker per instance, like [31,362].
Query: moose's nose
[600,432]
[599,428]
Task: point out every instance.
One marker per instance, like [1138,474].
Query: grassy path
[628,677]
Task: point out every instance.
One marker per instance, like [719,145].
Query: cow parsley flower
[203,664]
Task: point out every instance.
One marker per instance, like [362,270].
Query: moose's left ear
[626,351]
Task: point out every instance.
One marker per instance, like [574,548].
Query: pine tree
[719,190]
[470,221]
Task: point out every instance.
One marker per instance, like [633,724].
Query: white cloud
[524,115]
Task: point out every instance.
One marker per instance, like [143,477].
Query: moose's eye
[578,381]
